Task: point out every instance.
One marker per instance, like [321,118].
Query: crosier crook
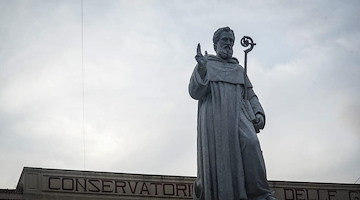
[246,41]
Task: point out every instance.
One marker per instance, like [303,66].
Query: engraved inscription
[117,187]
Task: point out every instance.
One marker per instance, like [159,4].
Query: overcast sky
[137,60]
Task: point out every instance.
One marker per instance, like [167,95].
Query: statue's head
[224,39]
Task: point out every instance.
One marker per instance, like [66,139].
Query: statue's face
[224,47]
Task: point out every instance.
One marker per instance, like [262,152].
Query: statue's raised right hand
[201,59]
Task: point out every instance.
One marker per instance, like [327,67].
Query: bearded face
[224,47]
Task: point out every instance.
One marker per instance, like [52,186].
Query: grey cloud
[137,61]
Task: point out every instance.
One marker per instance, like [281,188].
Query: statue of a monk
[230,163]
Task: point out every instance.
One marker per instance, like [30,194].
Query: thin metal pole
[357,180]
[83,81]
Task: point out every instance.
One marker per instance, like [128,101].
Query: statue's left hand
[260,122]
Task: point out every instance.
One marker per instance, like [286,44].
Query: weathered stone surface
[41,184]
[46,183]
[230,163]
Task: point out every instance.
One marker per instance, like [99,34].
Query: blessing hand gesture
[201,59]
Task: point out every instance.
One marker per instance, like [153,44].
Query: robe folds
[230,165]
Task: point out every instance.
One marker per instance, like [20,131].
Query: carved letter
[300,194]
[83,186]
[332,194]
[312,194]
[69,180]
[156,188]
[290,192]
[353,195]
[104,186]
[144,188]
[191,188]
[51,185]
[181,187]
[91,181]
[117,185]
[131,188]
[172,189]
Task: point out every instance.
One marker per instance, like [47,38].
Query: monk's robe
[230,165]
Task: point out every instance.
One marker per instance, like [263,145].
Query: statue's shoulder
[235,60]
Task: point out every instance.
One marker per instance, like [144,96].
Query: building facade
[45,184]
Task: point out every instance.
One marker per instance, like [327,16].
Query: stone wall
[41,184]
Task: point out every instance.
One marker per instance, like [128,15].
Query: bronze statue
[230,161]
